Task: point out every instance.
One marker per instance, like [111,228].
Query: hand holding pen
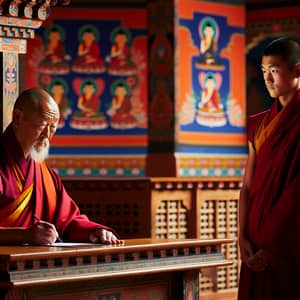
[44,232]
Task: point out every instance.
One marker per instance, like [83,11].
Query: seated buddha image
[161,106]
[210,109]
[208,30]
[161,56]
[119,111]
[88,115]
[58,90]
[119,61]
[55,61]
[88,53]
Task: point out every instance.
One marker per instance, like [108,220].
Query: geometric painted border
[210,165]
[130,166]
[98,165]
[210,172]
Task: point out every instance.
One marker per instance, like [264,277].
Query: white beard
[40,153]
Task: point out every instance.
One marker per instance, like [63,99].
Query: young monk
[34,205]
[269,206]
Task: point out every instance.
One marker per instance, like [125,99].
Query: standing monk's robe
[28,188]
[274,218]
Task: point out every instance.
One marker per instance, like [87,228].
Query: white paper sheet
[63,244]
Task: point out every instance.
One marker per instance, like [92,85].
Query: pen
[58,239]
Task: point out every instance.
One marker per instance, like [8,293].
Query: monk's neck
[285,99]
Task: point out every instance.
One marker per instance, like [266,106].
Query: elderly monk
[34,205]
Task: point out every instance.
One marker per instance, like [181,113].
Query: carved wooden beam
[20,18]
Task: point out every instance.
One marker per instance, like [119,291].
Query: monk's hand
[246,250]
[41,233]
[259,261]
[106,237]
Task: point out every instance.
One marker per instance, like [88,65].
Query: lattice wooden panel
[116,215]
[219,219]
[171,208]
[122,205]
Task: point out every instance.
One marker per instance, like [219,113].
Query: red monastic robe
[274,218]
[29,189]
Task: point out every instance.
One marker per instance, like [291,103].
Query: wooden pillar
[161,157]
[10,83]
[18,22]
[13,37]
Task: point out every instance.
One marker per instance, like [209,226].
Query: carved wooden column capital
[18,21]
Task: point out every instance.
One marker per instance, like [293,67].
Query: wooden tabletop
[28,252]
[40,265]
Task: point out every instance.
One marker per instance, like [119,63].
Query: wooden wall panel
[123,205]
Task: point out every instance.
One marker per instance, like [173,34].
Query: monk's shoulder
[253,121]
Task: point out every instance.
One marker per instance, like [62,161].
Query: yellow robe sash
[264,130]
[11,212]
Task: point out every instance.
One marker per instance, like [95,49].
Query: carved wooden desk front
[141,269]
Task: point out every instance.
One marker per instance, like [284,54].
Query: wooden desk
[141,269]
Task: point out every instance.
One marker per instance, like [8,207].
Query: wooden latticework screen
[219,219]
[171,213]
[171,219]
[123,205]
[205,209]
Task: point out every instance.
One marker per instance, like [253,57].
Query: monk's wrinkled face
[280,80]
[38,129]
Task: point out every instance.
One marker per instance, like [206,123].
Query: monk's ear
[17,116]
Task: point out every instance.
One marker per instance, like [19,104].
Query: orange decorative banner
[210,74]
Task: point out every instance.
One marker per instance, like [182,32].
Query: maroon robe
[57,208]
[274,212]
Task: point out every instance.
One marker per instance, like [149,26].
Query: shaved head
[34,100]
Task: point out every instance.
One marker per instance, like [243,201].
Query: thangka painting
[211,78]
[94,64]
